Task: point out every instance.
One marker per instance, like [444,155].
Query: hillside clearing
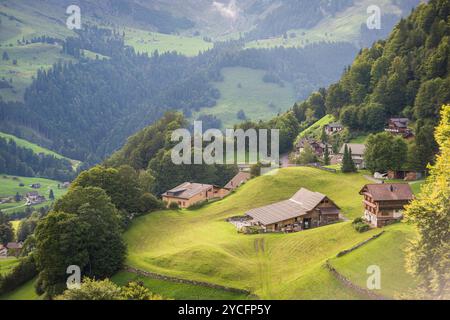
[149,42]
[7,264]
[201,245]
[37,149]
[244,89]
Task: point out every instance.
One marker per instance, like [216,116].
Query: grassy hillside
[244,89]
[37,149]
[177,291]
[30,58]
[201,245]
[147,41]
[316,128]
[344,26]
[25,292]
[9,186]
[6,265]
[387,252]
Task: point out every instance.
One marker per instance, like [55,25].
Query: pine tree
[351,163]
[17,197]
[345,163]
[326,156]
[51,196]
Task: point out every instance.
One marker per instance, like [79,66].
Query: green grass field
[24,292]
[7,264]
[200,245]
[30,58]
[37,149]
[9,187]
[177,291]
[146,41]
[243,88]
[315,130]
[387,252]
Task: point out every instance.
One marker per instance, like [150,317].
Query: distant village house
[357,154]
[333,128]
[399,126]
[317,146]
[188,194]
[305,210]
[14,248]
[407,175]
[238,180]
[33,198]
[3,251]
[384,203]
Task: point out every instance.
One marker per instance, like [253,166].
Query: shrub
[361,227]
[358,220]
[174,206]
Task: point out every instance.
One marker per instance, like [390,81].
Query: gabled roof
[187,190]
[334,125]
[389,191]
[357,148]
[237,180]
[300,204]
[307,199]
[14,245]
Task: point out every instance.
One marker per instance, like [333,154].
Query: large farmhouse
[305,210]
[384,203]
[188,194]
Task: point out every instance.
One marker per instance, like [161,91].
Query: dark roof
[334,125]
[14,245]
[187,190]
[389,191]
[237,180]
[400,122]
[300,204]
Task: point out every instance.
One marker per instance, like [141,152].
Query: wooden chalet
[188,194]
[239,179]
[333,128]
[399,126]
[317,146]
[305,210]
[384,203]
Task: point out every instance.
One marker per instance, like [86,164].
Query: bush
[361,227]
[358,220]
[198,205]
[174,206]
[148,202]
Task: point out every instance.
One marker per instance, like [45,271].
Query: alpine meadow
[321,170]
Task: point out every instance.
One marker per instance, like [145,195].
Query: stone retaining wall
[344,252]
[346,282]
[185,281]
